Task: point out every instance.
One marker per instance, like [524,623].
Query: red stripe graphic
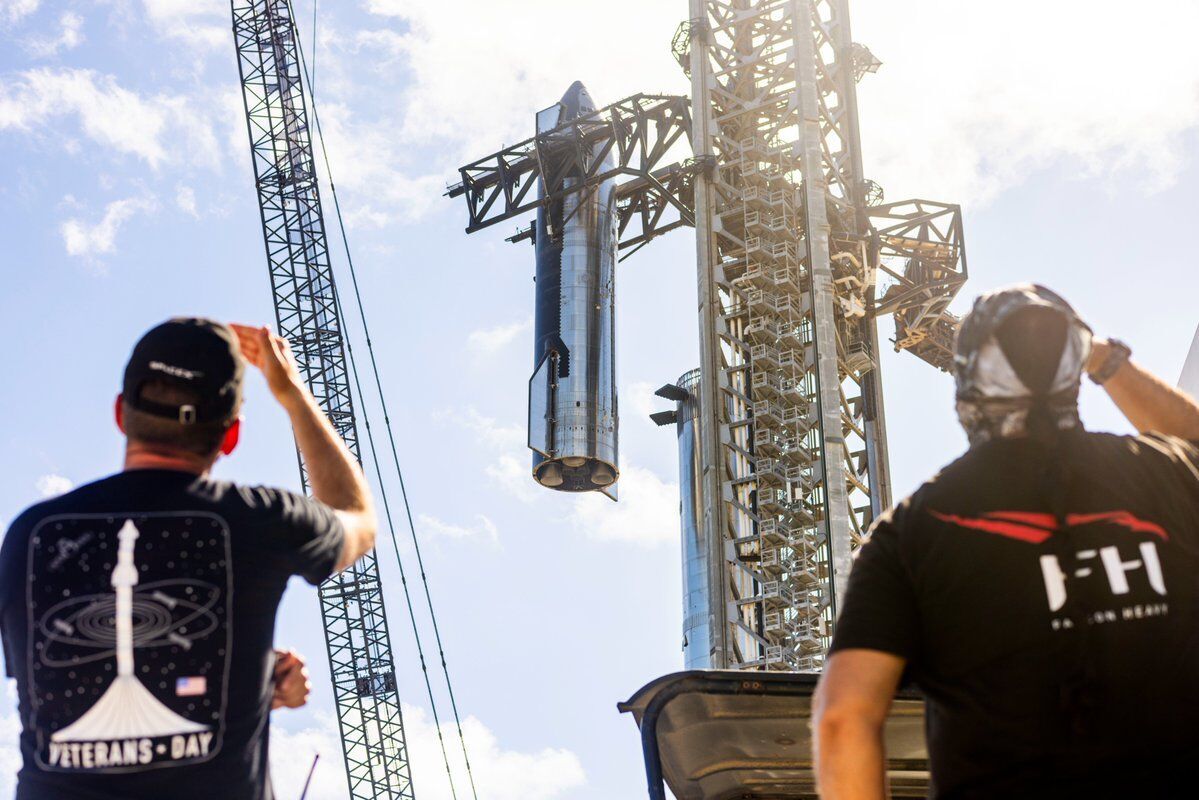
[1035,527]
[1012,530]
[1123,518]
[1034,518]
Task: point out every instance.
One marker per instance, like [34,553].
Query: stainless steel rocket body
[697,624]
[572,394]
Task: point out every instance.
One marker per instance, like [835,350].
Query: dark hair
[200,438]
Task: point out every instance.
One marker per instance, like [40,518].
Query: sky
[126,196]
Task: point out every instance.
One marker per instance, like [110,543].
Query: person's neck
[138,456]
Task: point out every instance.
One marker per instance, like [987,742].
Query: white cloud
[51,486]
[955,112]
[640,396]
[12,12]
[507,444]
[490,431]
[185,199]
[958,113]
[648,510]
[155,129]
[515,476]
[488,341]
[89,240]
[477,105]
[202,24]
[374,168]
[647,514]
[10,733]
[502,774]
[483,528]
[70,36]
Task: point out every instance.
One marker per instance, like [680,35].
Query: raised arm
[334,475]
[1148,402]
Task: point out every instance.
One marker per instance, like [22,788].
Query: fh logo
[1116,569]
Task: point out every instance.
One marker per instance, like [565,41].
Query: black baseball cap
[196,354]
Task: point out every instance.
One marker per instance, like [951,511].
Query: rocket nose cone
[576,102]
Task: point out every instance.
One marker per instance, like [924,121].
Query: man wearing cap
[1042,591]
[138,612]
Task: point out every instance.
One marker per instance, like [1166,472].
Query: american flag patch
[191,687]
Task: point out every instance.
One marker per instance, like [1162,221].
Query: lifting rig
[309,316]
[797,257]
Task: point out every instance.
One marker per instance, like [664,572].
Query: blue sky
[126,197]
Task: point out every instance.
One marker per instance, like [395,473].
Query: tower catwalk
[307,312]
[797,257]
[794,461]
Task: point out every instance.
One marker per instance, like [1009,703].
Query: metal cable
[395,460]
[420,651]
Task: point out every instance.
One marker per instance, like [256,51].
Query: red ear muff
[232,437]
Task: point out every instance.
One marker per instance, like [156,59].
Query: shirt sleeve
[12,586]
[307,532]
[1181,478]
[880,610]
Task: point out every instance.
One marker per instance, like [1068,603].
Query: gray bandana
[992,400]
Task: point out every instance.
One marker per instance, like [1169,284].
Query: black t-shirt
[138,614]
[1047,604]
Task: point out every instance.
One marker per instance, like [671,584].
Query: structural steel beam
[797,258]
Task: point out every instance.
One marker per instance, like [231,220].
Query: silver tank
[697,635]
[572,394]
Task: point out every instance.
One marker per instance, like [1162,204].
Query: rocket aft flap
[572,394]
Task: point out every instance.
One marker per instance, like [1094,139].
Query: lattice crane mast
[309,316]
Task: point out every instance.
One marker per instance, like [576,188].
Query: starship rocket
[572,394]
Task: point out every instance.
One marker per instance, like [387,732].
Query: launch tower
[797,257]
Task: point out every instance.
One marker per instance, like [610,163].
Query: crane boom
[308,315]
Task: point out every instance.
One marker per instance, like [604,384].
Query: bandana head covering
[1020,348]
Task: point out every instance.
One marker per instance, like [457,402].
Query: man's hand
[272,355]
[291,680]
[333,473]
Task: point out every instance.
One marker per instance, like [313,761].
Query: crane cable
[395,458]
[395,546]
[387,508]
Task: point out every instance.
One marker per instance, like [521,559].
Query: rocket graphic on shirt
[150,649]
[126,710]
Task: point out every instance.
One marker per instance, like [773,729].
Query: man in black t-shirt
[1042,590]
[138,611]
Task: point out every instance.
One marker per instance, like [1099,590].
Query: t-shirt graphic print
[128,662]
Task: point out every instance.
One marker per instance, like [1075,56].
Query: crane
[309,316]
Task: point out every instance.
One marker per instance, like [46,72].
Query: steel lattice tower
[797,258]
[794,454]
[307,313]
